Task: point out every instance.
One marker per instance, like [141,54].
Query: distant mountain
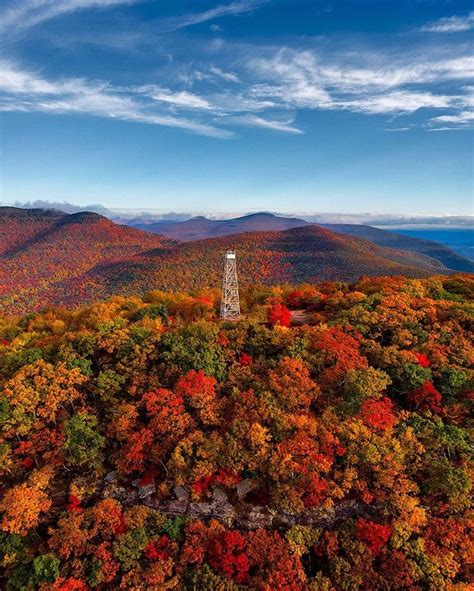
[200,227]
[71,259]
[448,257]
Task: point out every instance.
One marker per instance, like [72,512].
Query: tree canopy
[319,443]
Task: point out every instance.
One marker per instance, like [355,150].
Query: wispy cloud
[181,98]
[464,117]
[252,85]
[26,92]
[451,24]
[250,120]
[195,18]
[449,128]
[28,13]
[306,80]
[228,76]
[312,77]
[400,101]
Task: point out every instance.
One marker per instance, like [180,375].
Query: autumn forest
[236,295]
[320,443]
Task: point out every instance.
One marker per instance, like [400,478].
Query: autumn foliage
[278,314]
[378,413]
[146,445]
[426,397]
[374,535]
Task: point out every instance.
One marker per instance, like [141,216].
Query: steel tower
[230,306]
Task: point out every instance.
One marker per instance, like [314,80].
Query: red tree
[227,555]
[423,360]
[374,535]
[157,549]
[278,314]
[426,397]
[199,391]
[246,359]
[378,414]
[70,584]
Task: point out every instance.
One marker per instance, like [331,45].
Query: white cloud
[16,81]
[240,102]
[310,77]
[188,20]
[391,75]
[451,24]
[28,13]
[247,85]
[27,92]
[462,117]
[295,81]
[400,101]
[228,76]
[450,128]
[182,98]
[249,120]
[373,85]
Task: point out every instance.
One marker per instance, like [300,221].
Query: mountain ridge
[447,256]
[82,257]
[200,227]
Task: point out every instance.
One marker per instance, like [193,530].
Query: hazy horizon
[160,214]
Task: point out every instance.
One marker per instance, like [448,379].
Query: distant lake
[459,239]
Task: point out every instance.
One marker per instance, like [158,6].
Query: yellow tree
[23,504]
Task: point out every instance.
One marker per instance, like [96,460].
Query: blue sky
[283,105]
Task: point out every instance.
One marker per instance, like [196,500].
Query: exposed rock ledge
[242,515]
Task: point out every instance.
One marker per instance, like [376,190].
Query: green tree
[194,347]
[45,568]
[129,547]
[83,443]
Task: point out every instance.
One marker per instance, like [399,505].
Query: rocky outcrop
[241,515]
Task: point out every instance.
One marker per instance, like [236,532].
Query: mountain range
[49,257]
[201,227]
[198,228]
[137,215]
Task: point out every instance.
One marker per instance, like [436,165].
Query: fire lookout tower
[230,306]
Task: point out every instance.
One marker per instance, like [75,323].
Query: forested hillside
[297,255]
[392,239]
[43,251]
[61,259]
[148,446]
[19,227]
